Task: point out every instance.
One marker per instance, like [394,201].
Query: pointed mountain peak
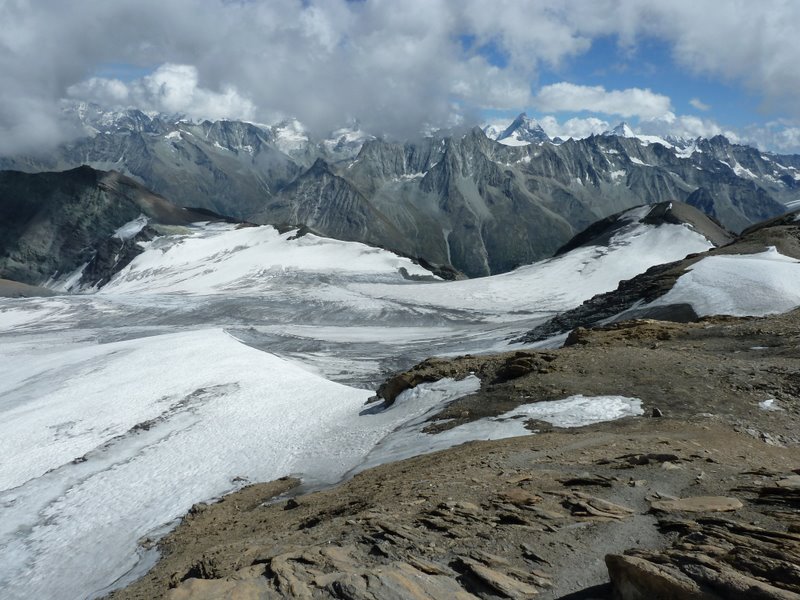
[521,120]
[622,130]
[523,130]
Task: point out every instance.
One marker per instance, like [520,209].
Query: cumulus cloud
[685,126]
[699,104]
[632,102]
[777,136]
[679,126]
[395,66]
[573,128]
[170,89]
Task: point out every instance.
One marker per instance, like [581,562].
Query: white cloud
[699,104]
[685,126]
[779,136]
[631,102]
[170,89]
[752,43]
[573,128]
[393,65]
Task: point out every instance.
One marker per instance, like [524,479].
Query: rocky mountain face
[78,227]
[466,201]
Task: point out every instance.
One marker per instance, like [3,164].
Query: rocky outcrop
[15,289]
[712,559]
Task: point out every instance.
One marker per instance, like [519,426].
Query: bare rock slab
[697,504]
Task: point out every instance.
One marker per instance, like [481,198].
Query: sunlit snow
[131,434]
[738,284]
[556,284]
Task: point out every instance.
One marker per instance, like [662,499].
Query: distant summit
[523,131]
[621,130]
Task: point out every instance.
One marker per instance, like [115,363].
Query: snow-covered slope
[223,258]
[738,284]
[103,444]
[521,132]
[562,282]
[218,259]
[624,130]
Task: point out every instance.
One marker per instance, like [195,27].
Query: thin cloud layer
[397,67]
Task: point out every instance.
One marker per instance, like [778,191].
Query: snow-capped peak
[347,140]
[290,136]
[522,131]
[622,130]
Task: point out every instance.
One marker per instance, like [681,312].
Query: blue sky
[402,67]
[650,65]
[647,65]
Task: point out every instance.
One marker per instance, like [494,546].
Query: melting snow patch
[65,283]
[131,228]
[575,411]
[220,258]
[578,411]
[512,141]
[769,405]
[157,424]
[688,151]
[743,172]
[559,283]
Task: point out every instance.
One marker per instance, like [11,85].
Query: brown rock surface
[697,504]
[712,559]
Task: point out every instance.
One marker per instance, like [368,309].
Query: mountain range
[480,201]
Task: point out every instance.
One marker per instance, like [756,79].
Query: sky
[685,67]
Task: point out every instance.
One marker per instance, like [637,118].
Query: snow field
[738,284]
[223,259]
[555,284]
